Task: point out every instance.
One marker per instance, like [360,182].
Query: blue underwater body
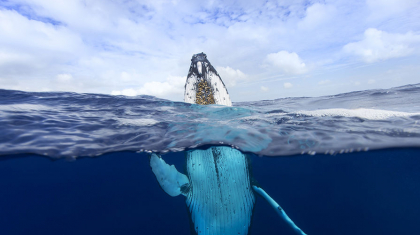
[78,163]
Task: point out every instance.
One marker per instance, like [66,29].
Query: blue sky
[261,49]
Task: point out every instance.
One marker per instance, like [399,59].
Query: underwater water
[78,163]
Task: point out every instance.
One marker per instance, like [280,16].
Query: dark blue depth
[375,192]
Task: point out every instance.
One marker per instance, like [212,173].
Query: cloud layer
[144,47]
[379,45]
[289,63]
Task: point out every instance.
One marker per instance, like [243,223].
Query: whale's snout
[200,57]
[204,85]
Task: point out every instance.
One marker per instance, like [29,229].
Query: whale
[218,184]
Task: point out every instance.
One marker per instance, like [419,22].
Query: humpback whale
[218,185]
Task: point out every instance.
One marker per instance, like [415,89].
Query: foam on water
[71,125]
[24,107]
[371,114]
[137,122]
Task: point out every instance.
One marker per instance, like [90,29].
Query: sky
[262,49]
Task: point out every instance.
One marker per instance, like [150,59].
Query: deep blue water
[374,192]
[78,163]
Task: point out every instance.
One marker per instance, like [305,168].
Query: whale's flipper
[171,181]
[278,209]
[220,199]
[204,85]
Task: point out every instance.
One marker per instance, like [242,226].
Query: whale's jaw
[220,199]
[204,85]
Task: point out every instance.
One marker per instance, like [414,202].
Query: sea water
[78,163]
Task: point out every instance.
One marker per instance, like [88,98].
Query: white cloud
[287,85]
[7,58]
[323,82]
[161,89]
[55,41]
[317,15]
[172,86]
[263,88]
[379,45]
[130,47]
[125,76]
[126,92]
[64,78]
[287,62]
[385,8]
[371,81]
[231,76]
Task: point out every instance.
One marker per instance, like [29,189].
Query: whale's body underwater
[218,185]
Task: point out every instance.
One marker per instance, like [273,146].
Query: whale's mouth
[204,85]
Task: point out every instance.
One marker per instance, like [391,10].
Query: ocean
[75,163]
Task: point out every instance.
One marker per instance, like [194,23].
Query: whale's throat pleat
[220,199]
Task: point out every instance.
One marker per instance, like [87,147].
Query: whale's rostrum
[204,85]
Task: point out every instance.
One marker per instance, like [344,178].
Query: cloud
[125,76]
[9,58]
[231,76]
[371,81]
[378,45]
[289,63]
[30,47]
[173,86]
[317,15]
[287,85]
[126,92]
[130,47]
[264,89]
[386,8]
[323,82]
[55,41]
[64,78]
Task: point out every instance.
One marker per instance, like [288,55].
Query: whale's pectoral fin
[171,181]
[277,207]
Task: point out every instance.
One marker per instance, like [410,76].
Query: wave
[61,124]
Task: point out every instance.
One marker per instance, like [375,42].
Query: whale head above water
[204,85]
